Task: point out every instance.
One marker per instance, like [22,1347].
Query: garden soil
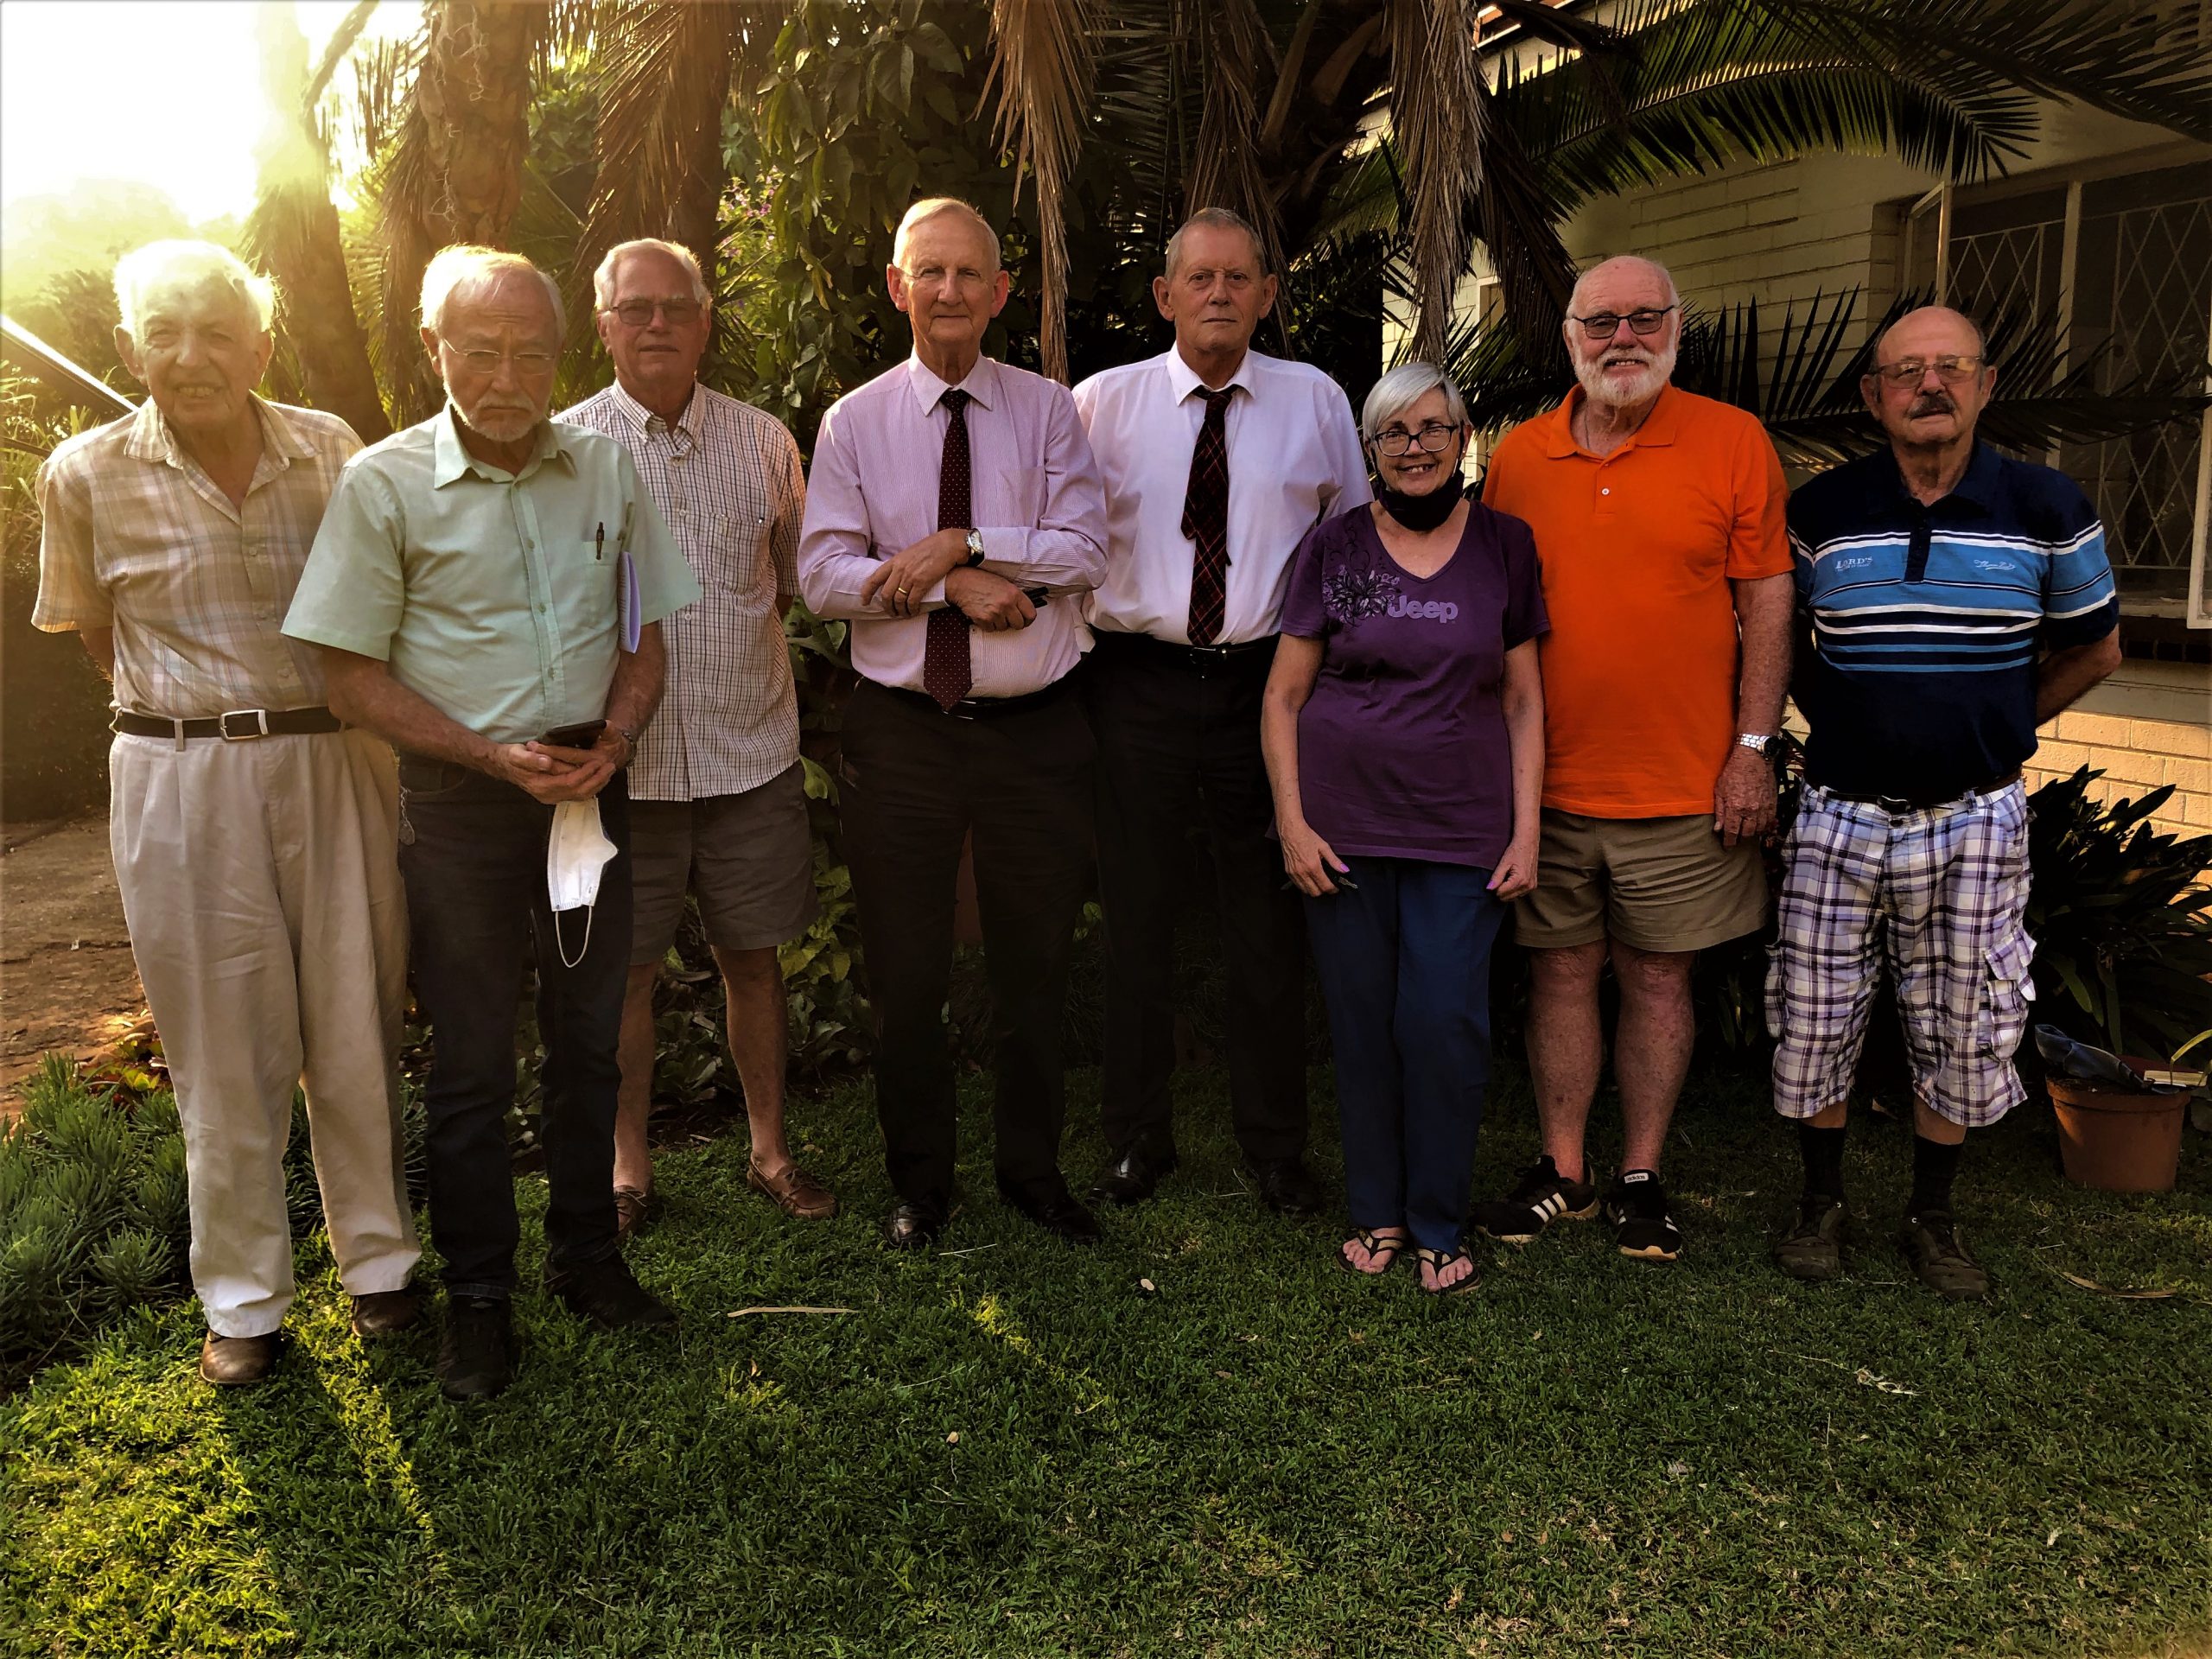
[67,979]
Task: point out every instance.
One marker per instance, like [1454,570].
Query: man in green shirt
[487,589]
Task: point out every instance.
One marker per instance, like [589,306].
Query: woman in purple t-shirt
[1404,734]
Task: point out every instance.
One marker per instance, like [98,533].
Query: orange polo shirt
[1638,550]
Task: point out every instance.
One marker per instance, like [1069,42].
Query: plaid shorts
[1941,894]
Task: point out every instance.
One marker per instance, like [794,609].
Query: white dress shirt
[1034,495]
[1294,459]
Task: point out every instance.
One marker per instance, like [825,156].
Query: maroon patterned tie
[946,672]
[1206,520]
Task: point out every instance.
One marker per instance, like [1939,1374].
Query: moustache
[1933,402]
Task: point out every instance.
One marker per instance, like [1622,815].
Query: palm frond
[1227,166]
[1041,65]
[1437,111]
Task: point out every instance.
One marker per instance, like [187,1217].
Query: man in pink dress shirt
[955,518]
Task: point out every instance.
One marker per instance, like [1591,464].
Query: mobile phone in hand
[582,735]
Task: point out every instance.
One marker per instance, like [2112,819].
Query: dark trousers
[916,783]
[1405,966]
[1179,752]
[472,855]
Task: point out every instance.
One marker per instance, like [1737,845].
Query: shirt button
[1605,492]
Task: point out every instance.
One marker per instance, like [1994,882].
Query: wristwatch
[1760,744]
[975,549]
[630,740]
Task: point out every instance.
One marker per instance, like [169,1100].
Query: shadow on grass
[1010,1447]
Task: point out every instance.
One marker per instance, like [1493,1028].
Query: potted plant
[2122,922]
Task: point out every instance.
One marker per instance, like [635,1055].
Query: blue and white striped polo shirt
[1928,621]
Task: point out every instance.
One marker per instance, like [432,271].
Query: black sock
[1934,1164]
[1822,1150]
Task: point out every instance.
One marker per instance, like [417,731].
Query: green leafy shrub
[93,1213]
[2122,922]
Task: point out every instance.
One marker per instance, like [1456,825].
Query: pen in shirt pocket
[598,542]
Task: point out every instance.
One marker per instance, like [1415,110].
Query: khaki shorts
[1653,884]
[749,857]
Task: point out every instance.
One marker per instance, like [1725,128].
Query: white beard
[1613,393]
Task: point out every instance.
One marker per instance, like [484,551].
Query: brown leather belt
[235,726]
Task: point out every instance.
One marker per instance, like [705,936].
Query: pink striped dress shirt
[1037,499]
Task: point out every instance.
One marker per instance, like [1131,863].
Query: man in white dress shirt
[955,519]
[1217,460]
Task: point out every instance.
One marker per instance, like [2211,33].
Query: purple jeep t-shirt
[1402,748]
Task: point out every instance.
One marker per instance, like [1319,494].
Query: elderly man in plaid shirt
[1958,599]
[717,802]
[254,835]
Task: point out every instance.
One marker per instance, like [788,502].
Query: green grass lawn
[1010,1448]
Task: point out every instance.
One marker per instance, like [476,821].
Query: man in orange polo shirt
[1659,519]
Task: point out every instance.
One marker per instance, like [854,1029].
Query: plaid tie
[1206,520]
[946,672]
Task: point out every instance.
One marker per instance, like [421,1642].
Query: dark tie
[946,673]
[1206,520]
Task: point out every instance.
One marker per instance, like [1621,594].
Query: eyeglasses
[1433,436]
[638,313]
[526,363]
[1606,324]
[1951,371]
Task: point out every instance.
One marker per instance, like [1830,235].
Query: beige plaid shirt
[727,478]
[138,538]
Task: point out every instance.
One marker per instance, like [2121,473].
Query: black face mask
[1422,512]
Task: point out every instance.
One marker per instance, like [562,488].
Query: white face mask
[576,852]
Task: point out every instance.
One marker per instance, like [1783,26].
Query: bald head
[1931,330]
[1625,273]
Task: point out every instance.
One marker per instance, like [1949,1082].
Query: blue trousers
[1405,965]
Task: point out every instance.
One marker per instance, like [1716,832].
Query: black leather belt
[974,708]
[236,726]
[1920,804]
[1193,655]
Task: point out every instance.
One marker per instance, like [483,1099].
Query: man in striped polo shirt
[1958,599]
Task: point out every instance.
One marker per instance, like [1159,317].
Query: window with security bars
[2133,284]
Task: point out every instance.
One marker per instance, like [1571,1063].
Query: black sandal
[1438,1260]
[1375,1244]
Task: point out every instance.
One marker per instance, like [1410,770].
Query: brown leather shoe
[386,1312]
[634,1208]
[234,1362]
[795,1192]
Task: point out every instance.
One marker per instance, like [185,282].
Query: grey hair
[143,272]
[1674,294]
[930,207]
[602,281]
[465,263]
[1401,388]
[1221,219]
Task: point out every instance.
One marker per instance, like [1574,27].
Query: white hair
[602,281]
[464,264]
[1674,294]
[144,271]
[930,207]
[1401,388]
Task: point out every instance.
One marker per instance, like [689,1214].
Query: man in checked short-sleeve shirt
[717,804]
[1958,599]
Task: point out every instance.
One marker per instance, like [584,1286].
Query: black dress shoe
[1131,1178]
[1287,1187]
[912,1227]
[1060,1215]
[606,1294]
[476,1355]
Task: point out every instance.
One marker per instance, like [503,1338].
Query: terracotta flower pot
[2116,1141]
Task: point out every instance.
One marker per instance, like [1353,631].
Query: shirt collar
[1184,379]
[642,418]
[1658,429]
[981,383]
[450,460]
[1977,485]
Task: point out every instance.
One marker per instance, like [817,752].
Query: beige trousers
[261,885]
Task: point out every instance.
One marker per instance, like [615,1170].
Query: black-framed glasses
[1951,369]
[1605,324]
[1435,438]
[638,313]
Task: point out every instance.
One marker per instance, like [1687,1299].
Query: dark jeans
[1405,966]
[473,854]
[1179,750]
[916,783]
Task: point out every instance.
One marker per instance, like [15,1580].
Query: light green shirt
[494,595]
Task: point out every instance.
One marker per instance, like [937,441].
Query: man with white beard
[1659,521]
